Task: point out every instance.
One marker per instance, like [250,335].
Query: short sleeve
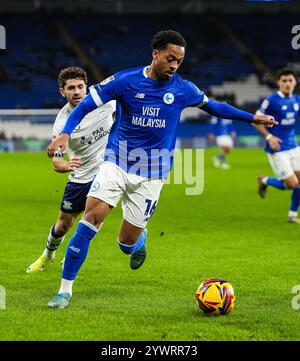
[264,107]
[58,125]
[109,89]
[194,96]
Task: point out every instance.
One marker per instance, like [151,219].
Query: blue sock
[221,157]
[128,249]
[276,183]
[295,199]
[77,249]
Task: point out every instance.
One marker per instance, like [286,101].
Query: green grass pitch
[227,232]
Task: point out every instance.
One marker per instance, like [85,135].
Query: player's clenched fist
[267,120]
[58,145]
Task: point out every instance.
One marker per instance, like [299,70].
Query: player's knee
[292,183]
[93,217]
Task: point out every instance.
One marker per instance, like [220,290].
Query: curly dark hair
[72,72]
[165,37]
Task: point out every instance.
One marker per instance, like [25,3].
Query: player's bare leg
[55,238]
[96,211]
[133,241]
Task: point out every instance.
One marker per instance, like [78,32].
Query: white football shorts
[285,163]
[140,195]
[224,141]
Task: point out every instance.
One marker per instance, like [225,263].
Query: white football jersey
[88,140]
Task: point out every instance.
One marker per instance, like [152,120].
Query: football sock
[128,249]
[295,201]
[77,249]
[52,244]
[222,158]
[274,182]
[66,286]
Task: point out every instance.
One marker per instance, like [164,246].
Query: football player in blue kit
[281,146]
[222,131]
[139,153]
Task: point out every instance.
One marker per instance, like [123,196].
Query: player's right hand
[266,120]
[58,145]
[275,143]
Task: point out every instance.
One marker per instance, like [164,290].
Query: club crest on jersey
[169,98]
[107,80]
[296,107]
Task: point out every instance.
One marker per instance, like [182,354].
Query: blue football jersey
[286,111]
[220,126]
[142,138]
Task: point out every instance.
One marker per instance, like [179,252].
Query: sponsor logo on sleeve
[107,80]
[265,104]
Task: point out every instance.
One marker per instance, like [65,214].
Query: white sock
[66,286]
[293,214]
[264,180]
[48,254]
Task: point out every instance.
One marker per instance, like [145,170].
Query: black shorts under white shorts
[74,197]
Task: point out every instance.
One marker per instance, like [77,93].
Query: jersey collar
[282,95]
[145,71]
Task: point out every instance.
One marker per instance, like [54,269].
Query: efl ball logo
[169,98]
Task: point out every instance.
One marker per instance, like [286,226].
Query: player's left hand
[267,120]
[58,145]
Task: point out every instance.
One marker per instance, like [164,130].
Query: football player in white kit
[85,151]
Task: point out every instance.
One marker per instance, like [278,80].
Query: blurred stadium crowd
[230,56]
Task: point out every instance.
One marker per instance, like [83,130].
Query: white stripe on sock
[90,225]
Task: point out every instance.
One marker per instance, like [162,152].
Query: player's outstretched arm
[227,111]
[82,109]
